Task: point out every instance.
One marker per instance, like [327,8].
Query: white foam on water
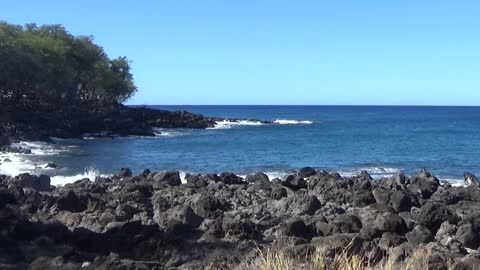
[381,170]
[160,132]
[182,177]
[90,173]
[16,166]
[226,124]
[456,182]
[292,122]
[273,175]
[39,148]
[375,172]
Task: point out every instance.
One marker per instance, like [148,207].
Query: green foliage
[46,64]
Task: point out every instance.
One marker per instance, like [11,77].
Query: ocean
[383,140]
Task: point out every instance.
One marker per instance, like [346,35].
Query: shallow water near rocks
[380,139]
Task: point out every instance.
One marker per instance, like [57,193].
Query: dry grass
[418,260]
[278,259]
[342,261]
[272,259]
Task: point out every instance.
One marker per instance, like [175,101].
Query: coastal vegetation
[48,65]
[56,84]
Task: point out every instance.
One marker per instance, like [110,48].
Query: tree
[48,65]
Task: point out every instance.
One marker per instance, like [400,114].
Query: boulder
[398,199]
[39,183]
[51,165]
[433,214]
[197,181]
[468,232]
[365,176]
[400,179]
[171,178]
[210,207]
[424,184]
[231,179]
[390,239]
[468,236]
[294,182]
[187,216]
[69,201]
[6,197]
[302,204]
[306,172]
[257,177]
[471,180]
[420,234]
[347,223]
[388,222]
[278,193]
[296,227]
[240,228]
[446,233]
[125,172]
[370,231]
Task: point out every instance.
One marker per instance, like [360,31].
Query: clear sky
[282,52]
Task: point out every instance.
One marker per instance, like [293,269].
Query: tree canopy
[46,64]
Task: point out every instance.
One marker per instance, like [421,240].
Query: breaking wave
[292,122]
[226,124]
[90,173]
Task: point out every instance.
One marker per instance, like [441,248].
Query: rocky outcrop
[39,123]
[154,221]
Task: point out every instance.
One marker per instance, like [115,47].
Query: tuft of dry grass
[272,259]
[418,260]
[341,261]
[278,259]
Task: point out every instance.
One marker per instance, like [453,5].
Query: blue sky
[282,52]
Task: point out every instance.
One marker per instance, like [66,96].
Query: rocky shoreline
[37,123]
[154,221]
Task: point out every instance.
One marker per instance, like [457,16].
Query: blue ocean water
[380,139]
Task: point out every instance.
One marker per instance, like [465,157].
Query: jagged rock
[398,200]
[257,177]
[304,204]
[388,222]
[240,228]
[432,215]
[419,235]
[364,175]
[125,172]
[468,232]
[39,183]
[347,223]
[306,172]
[296,227]
[151,223]
[231,178]
[6,198]
[51,165]
[390,239]
[424,184]
[294,182]
[370,231]
[278,193]
[400,179]
[471,180]
[69,201]
[209,207]
[169,178]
